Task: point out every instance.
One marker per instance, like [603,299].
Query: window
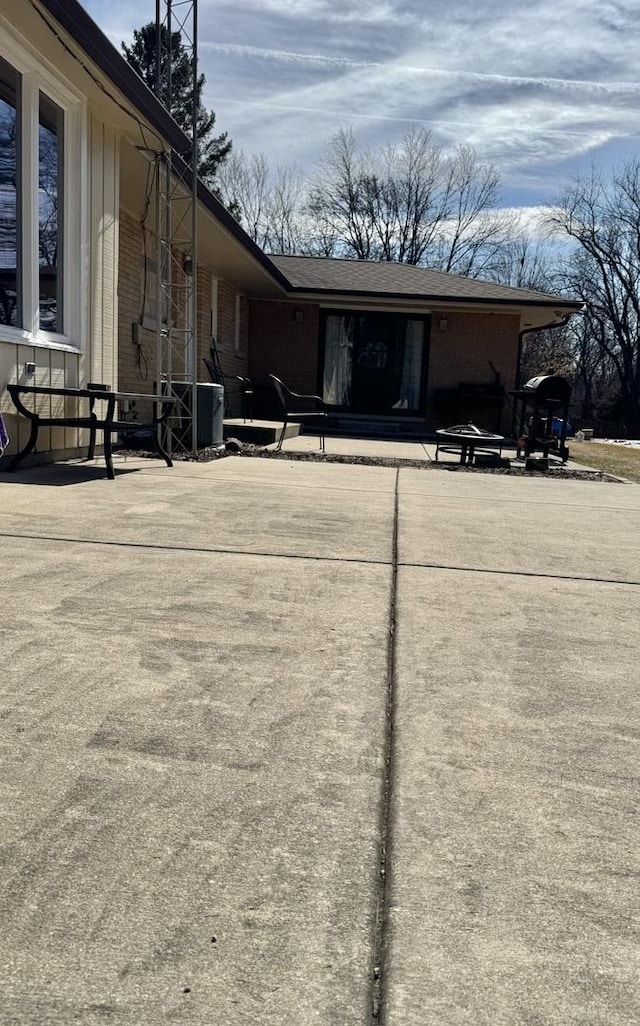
[40,279]
[10,204]
[50,214]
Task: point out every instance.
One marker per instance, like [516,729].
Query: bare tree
[338,200]
[382,205]
[474,231]
[596,390]
[410,203]
[524,261]
[268,204]
[602,219]
[285,212]
[243,183]
[548,352]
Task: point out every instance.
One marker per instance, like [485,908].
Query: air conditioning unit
[210,415]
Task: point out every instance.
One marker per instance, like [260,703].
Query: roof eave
[103,54]
[554,302]
[211,203]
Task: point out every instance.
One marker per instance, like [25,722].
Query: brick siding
[462,352]
[137,368]
[283,346]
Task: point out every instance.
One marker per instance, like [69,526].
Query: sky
[541,88]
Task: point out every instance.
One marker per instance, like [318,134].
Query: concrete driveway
[294,743]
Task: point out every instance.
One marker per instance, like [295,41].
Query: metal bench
[106,422]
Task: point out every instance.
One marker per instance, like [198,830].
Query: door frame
[356,313]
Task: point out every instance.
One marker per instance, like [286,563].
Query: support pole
[176,232]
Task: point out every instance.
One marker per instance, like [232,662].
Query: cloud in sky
[534,86]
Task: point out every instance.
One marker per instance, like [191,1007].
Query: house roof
[368,278]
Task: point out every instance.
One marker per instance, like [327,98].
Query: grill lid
[549,388]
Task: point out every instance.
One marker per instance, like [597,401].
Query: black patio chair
[289,402]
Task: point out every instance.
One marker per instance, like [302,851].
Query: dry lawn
[621,460]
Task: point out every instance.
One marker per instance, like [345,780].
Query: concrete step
[257,432]
[378,427]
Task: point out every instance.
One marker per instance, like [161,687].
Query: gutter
[312,294]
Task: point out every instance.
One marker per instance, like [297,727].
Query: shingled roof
[404,281]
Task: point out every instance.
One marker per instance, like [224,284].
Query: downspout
[527,331]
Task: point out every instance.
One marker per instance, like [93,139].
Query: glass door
[374,363]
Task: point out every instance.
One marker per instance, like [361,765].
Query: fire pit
[469,441]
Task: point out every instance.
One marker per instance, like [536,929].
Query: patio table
[106,421]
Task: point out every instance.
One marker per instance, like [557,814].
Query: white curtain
[411,367]
[338,351]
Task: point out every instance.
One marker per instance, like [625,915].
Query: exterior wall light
[443,324]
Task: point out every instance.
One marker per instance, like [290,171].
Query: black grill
[542,413]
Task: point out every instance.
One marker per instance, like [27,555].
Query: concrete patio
[291,743]
[400,449]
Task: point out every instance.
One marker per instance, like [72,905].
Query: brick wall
[136,369]
[280,345]
[283,346]
[463,352]
[137,366]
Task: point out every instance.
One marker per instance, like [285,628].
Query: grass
[620,460]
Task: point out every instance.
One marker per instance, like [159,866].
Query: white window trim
[36,77]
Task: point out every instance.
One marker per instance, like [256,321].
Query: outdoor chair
[290,401]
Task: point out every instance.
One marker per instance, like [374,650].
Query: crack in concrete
[197,550]
[539,574]
[351,560]
[379,941]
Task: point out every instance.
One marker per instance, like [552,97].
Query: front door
[374,363]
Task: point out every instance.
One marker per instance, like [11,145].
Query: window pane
[10,299]
[50,170]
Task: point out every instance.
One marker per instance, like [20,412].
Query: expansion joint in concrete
[379,942]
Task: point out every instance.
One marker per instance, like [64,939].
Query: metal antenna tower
[176,227]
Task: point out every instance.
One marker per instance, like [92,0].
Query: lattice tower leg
[176,236]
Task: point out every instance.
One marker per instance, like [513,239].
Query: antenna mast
[176,227]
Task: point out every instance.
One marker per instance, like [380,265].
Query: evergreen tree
[142,56]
